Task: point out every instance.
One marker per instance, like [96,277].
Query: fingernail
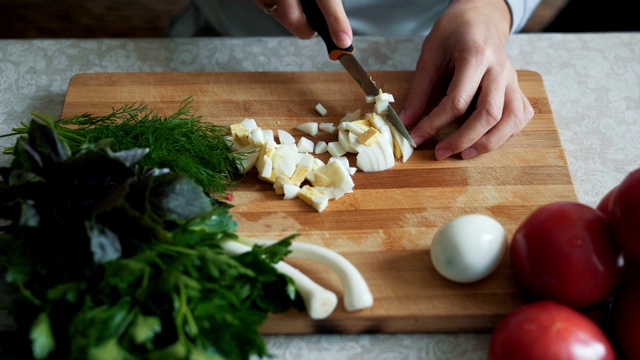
[469,153]
[342,40]
[442,154]
[417,139]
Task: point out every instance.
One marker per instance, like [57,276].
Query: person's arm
[463,72]
[521,11]
[289,14]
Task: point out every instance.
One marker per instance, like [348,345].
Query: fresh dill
[182,142]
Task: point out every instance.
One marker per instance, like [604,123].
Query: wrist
[499,10]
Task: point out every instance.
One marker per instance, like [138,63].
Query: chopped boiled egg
[369,137]
[320,180]
[345,141]
[307,161]
[290,165]
[299,175]
[285,137]
[376,157]
[316,199]
[335,149]
[284,163]
[249,156]
[305,145]
[266,173]
[290,191]
[268,135]
[402,149]
[364,124]
[257,136]
[327,127]
[309,128]
[357,127]
[341,181]
[381,107]
[240,134]
[321,109]
[249,124]
[344,161]
[352,116]
[320,148]
[232,143]
[278,185]
[264,164]
[383,96]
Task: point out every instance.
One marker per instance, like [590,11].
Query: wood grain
[385,227]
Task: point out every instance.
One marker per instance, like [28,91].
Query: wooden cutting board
[385,227]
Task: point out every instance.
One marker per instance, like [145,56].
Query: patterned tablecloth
[592,80]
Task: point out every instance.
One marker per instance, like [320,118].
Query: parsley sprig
[115,260]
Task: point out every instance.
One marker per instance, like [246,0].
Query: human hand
[289,14]
[462,64]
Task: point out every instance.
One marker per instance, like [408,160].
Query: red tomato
[565,252]
[604,206]
[546,330]
[625,319]
[625,215]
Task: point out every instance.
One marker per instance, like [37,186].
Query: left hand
[463,63]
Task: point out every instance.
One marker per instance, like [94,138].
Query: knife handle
[319,24]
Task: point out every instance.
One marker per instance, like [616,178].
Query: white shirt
[367,17]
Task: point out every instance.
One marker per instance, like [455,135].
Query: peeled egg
[468,248]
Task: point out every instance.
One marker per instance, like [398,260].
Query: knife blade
[349,62]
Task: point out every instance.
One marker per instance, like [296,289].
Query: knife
[349,62]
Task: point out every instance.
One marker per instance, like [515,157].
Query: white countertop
[592,81]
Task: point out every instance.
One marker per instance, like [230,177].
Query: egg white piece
[285,137]
[249,124]
[249,158]
[305,145]
[310,128]
[321,109]
[468,248]
[320,147]
[328,127]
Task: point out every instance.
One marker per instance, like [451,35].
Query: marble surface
[592,80]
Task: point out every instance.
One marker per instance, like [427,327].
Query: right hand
[289,14]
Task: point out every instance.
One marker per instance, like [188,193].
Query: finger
[421,88]
[337,20]
[453,105]
[268,6]
[289,14]
[460,94]
[488,112]
[517,114]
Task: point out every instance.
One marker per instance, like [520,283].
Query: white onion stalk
[319,301]
[357,295]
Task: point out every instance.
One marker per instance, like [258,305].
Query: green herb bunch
[114,260]
[181,142]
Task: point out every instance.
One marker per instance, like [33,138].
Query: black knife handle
[319,24]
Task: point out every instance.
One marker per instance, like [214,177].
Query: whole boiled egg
[468,248]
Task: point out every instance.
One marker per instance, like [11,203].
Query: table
[592,80]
